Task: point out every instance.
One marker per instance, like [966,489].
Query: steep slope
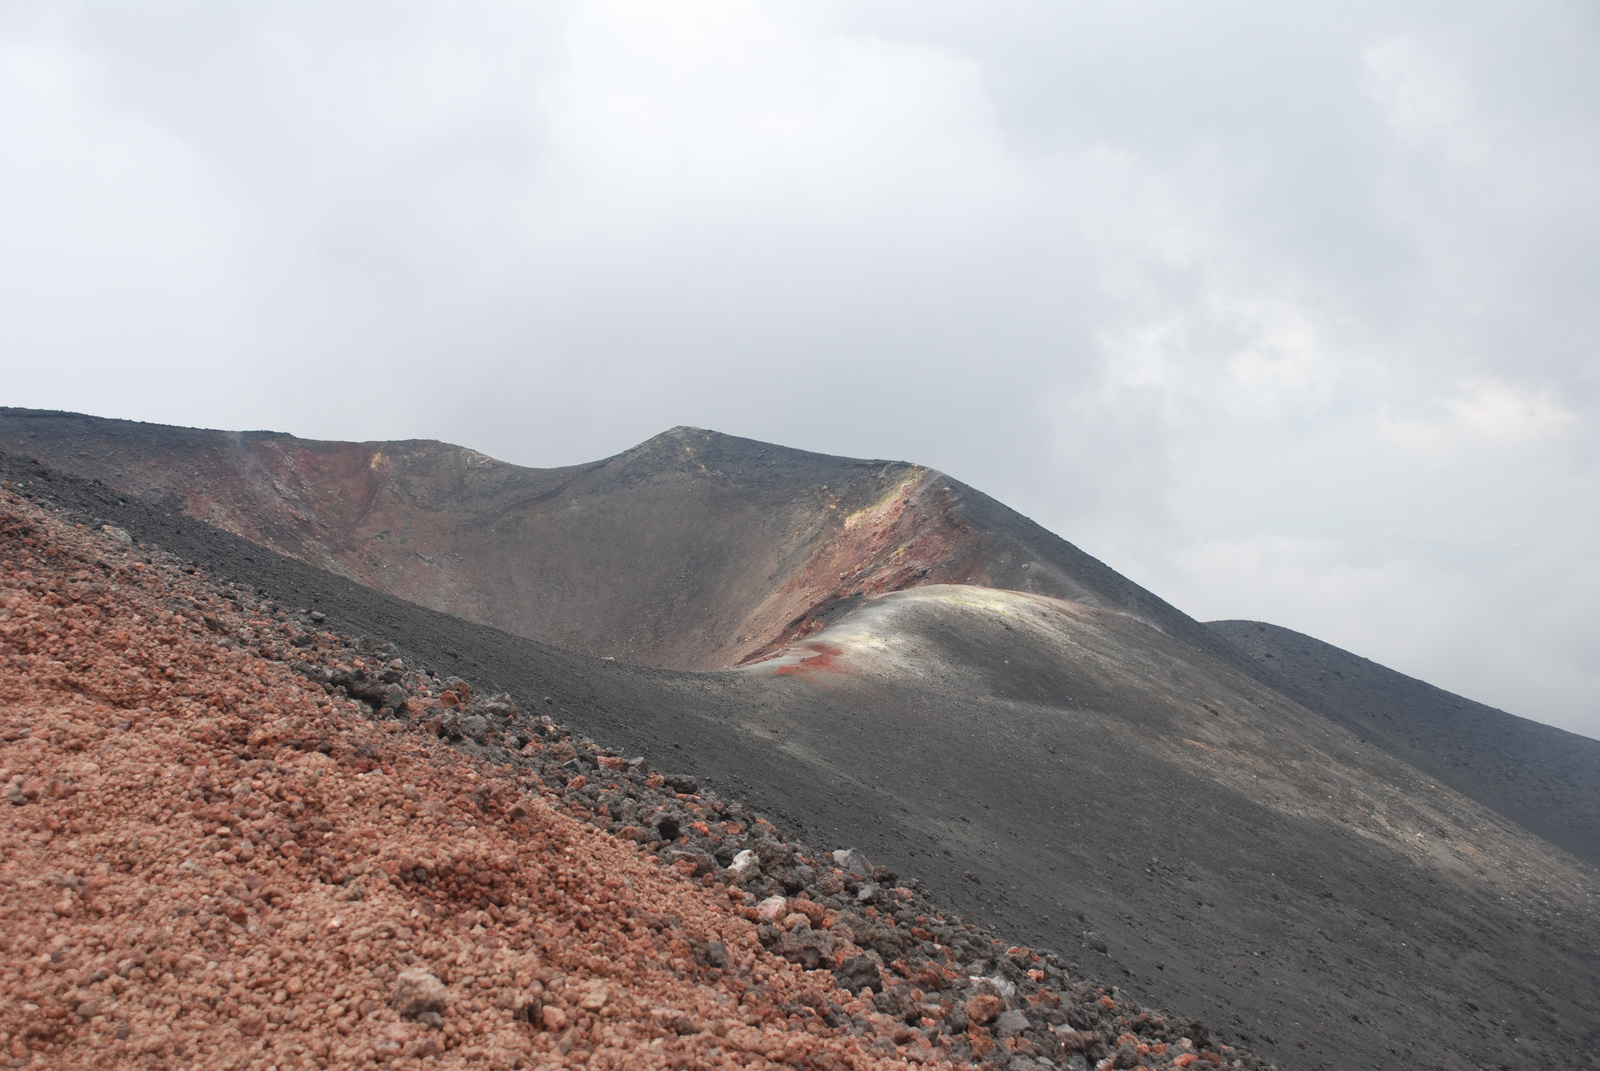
[187,882]
[694,550]
[697,550]
[1088,783]
[1233,851]
[208,860]
[1544,778]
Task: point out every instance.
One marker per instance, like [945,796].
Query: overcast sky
[1286,311]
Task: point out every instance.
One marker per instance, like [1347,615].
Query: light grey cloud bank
[1287,313]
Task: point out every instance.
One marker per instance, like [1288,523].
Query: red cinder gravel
[205,861]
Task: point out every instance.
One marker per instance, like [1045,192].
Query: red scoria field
[208,860]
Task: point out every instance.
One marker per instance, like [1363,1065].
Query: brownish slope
[694,550]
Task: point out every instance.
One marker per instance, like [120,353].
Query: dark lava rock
[681,783]
[859,972]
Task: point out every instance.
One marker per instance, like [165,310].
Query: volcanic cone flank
[694,550]
[209,860]
[1332,861]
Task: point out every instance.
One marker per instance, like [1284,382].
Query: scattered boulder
[772,909]
[984,1008]
[859,972]
[778,863]
[812,911]
[710,954]
[896,1001]
[746,865]
[416,991]
[1011,1023]
[853,863]
[692,864]
[809,948]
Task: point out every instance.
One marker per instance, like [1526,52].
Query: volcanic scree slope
[928,676]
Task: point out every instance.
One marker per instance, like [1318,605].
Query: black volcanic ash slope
[1107,787]
[1543,778]
[1063,768]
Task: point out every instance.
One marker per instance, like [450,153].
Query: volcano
[1348,868]
[694,550]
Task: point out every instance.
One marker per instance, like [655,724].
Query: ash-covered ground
[1345,914]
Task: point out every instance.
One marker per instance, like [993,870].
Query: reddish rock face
[692,551]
